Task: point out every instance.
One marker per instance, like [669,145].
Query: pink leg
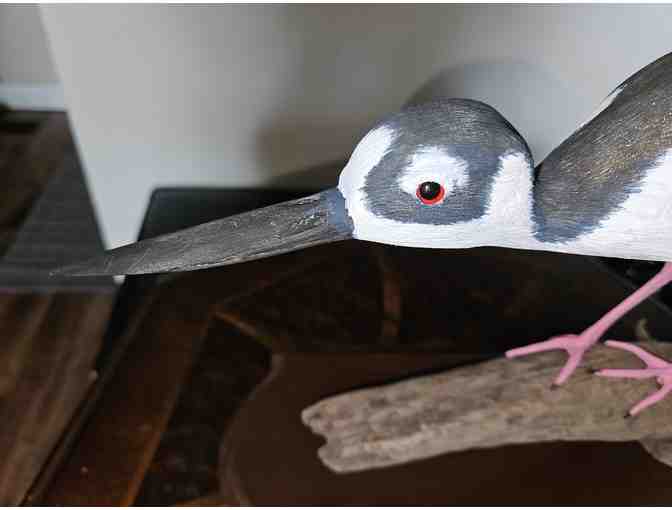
[576,345]
[648,358]
[626,373]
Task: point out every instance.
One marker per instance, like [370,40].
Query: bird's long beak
[281,228]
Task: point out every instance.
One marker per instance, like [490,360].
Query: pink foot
[575,345]
[656,367]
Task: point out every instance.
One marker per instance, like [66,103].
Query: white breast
[507,221]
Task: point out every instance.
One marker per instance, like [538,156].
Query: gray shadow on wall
[526,94]
[315,178]
[353,65]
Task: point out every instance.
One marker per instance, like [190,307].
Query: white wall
[28,79]
[236,95]
[24,57]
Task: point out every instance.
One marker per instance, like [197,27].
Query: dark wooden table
[186,351]
[269,458]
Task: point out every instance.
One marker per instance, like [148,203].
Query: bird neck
[508,221]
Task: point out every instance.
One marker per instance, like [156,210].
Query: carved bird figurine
[455,173]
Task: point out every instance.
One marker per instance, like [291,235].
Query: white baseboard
[26,96]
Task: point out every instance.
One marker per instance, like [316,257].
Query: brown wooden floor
[47,356]
[50,340]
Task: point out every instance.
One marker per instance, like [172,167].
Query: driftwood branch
[490,404]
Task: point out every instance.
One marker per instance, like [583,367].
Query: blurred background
[234,95]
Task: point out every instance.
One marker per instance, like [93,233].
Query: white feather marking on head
[507,221]
[368,153]
[435,165]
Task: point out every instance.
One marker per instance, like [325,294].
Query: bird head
[432,175]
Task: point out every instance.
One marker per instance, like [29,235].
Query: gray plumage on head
[470,130]
[598,167]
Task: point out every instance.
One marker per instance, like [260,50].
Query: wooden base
[269,457]
[495,403]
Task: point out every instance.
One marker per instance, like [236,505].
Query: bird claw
[574,345]
[656,367]
[651,360]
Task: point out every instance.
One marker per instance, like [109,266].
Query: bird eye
[430,193]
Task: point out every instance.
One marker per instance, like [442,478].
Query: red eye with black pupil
[430,192]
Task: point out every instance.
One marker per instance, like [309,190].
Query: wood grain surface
[279,465]
[486,405]
[117,451]
[47,365]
